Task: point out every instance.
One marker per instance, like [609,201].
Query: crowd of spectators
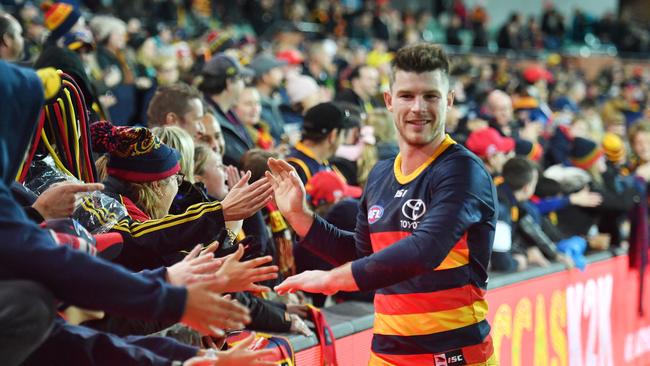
[179,106]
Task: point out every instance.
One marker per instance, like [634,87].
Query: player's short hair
[420,58]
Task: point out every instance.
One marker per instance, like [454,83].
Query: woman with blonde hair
[144,174]
[210,171]
[177,138]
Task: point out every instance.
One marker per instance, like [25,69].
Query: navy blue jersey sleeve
[362,232]
[338,246]
[155,274]
[462,197]
[332,244]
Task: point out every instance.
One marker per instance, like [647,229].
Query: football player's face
[419,103]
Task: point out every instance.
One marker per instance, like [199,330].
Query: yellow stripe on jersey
[302,165]
[397,167]
[455,258]
[430,323]
[307,151]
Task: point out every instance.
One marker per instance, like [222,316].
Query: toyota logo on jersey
[375,213]
[414,209]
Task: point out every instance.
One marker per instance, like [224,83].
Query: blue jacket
[30,253]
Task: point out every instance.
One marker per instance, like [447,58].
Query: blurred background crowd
[556,106]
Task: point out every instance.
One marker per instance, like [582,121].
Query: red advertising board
[573,318]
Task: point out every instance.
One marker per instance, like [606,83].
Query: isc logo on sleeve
[375,213]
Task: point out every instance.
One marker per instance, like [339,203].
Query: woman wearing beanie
[617,199]
[61,18]
[143,174]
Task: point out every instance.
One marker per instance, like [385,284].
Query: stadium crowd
[133,179]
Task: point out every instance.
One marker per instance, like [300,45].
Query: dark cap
[264,63]
[225,65]
[324,117]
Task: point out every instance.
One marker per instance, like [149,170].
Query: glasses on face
[180,177]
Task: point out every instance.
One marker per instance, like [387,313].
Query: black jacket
[574,220]
[237,139]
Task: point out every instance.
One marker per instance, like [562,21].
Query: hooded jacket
[30,253]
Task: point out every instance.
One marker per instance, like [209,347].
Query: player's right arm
[324,239]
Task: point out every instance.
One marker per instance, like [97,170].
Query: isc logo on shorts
[375,213]
[451,358]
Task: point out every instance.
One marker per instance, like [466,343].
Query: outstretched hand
[209,313]
[243,354]
[309,281]
[241,276]
[244,200]
[198,265]
[586,198]
[290,196]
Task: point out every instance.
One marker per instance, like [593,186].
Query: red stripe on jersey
[385,239]
[400,304]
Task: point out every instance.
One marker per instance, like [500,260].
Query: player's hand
[290,196]
[309,281]
[59,200]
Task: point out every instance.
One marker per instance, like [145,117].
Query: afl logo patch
[375,213]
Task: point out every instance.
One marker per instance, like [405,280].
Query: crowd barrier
[541,317]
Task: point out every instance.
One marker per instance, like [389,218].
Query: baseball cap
[264,63]
[328,187]
[534,73]
[324,117]
[293,57]
[487,141]
[225,65]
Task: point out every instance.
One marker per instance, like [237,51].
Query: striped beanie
[614,147]
[529,150]
[584,153]
[136,155]
[59,18]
